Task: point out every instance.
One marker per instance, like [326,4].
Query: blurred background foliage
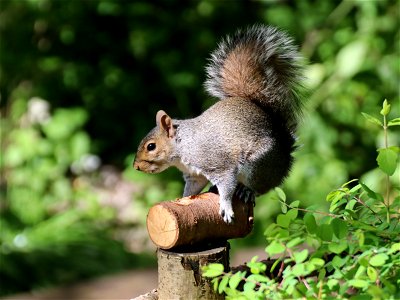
[80,84]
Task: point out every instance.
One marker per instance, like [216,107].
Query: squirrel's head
[155,152]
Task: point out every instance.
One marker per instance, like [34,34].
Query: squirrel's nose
[136,166]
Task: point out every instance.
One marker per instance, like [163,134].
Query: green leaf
[284,208]
[363,261]
[385,108]
[394,122]
[274,265]
[338,248]
[387,160]
[281,194]
[292,214]
[325,232]
[283,220]
[310,222]
[258,278]
[334,196]
[354,189]
[372,119]
[378,260]
[299,269]
[223,284]
[361,237]
[350,204]
[64,123]
[348,182]
[350,58]
[335,206]
[275,248]
[372,273]
[360,272]
[358,283]
[271,230]
[215,283]
[255,266]
[301,256]
[318,262]
[254,259]
[371,193]
[294,242]
[321,274]
[249,285]
[79,145]
[213,270]
[283,233]
[338,262]
[339,228]
[235,280]
[332,283]
[395,247]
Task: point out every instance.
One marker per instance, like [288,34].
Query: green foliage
[53,229]
[105,67]
[351,251]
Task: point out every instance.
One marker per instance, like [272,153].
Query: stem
[301,278]
[364,204]
[307,286]
[320,290]
[282,267]
[386,201]
[385,131]
[312,211]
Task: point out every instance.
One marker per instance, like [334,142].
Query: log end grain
[162,226]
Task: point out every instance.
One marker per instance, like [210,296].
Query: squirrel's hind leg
[194,184]
[226,186]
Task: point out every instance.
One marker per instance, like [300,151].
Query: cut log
[180,273]
[196,219]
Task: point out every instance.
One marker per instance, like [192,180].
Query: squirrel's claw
[227,214]
[245,194]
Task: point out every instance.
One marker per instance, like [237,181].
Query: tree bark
[180,273]
[195,219]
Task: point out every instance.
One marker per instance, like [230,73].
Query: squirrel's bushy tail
[261,64]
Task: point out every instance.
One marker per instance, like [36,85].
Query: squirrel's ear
[164,122]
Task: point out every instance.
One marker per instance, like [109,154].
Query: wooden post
[190,234]
[180,275]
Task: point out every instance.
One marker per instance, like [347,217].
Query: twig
[312,211]
[307,285]
[366,205]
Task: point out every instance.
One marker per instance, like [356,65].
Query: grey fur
[245,139]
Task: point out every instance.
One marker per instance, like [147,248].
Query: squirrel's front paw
[227,214]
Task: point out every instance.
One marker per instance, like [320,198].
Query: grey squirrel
[242,144]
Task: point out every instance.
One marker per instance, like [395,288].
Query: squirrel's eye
[151,147]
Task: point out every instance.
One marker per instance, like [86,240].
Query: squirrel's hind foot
[245,194]
[226,213]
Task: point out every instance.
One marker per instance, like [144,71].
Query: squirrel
[242,144]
